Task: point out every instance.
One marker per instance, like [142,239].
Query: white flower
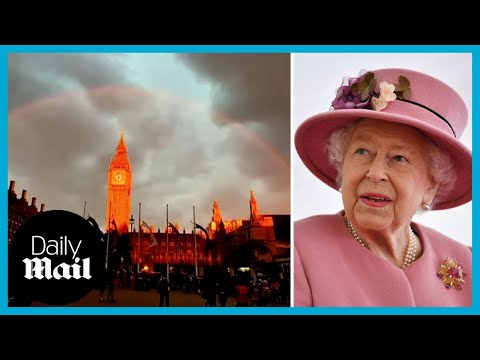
[378,104]
[387,91]
[386,95]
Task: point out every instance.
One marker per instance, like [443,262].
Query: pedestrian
[111,275]
[210,291]
[222,294]
[163,288]
[102,286]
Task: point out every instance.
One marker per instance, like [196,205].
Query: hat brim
[312,135]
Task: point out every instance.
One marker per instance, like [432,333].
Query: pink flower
[361,93]
[346,99]
[355,92]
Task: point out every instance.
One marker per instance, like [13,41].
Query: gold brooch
[451,273]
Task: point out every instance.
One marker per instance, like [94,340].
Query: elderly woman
[390,146]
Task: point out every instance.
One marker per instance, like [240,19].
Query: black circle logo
[56,257]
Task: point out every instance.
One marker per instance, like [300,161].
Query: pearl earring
[426,206]
[340,189]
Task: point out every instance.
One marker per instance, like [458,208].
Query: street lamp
[132,221]
[130,267]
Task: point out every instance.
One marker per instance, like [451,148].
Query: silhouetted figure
[285,288]
[111,274]
[210,291]
[163,288]
[102,286]
[129,278]
[222,294]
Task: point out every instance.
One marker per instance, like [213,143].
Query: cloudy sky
[316,78]
[198,128]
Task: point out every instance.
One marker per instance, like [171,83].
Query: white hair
[439,162]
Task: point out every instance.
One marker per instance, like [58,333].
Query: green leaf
[368,77]
[407,93]
[399,94]
[372,85]
[365,95]
[397,87]
[362,86]
[354,88]
[404,83]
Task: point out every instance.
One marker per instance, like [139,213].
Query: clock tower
[119,180]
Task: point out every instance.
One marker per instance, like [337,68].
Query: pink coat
[332,269]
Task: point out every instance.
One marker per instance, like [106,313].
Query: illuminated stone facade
[261,225]
[262,238]
[181,250]
[153,250]
[119,180]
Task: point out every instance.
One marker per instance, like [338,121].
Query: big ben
[119,189]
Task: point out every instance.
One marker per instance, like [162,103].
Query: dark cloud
[34,76]
[250,88]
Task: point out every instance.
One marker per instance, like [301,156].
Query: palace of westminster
[261,239]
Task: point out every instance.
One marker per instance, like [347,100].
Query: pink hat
[421,101]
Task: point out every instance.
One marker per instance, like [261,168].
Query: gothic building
[19,210]
[217,244]
[119,180]
[262,238]
[183,251]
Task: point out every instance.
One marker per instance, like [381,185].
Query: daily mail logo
[42,268]
[55,258]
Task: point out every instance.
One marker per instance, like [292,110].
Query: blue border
[475,214]
[4,50]
[4,175]
[240,48]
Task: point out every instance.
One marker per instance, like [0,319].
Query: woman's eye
[361,151]
[399,158]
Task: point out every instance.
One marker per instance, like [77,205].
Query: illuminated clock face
[118,177]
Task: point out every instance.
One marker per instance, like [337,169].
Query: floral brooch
[360,93]
[451,273]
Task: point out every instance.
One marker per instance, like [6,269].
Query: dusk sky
[198,128]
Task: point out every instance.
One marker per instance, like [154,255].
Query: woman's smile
[375,200]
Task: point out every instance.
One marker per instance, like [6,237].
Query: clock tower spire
[119,184]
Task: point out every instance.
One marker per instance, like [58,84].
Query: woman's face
[385,175]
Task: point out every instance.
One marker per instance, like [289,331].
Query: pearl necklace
[410,254]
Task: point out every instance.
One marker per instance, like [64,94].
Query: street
[129,297]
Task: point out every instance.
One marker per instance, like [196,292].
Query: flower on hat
[360,93]
[387,94]
[387,91]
